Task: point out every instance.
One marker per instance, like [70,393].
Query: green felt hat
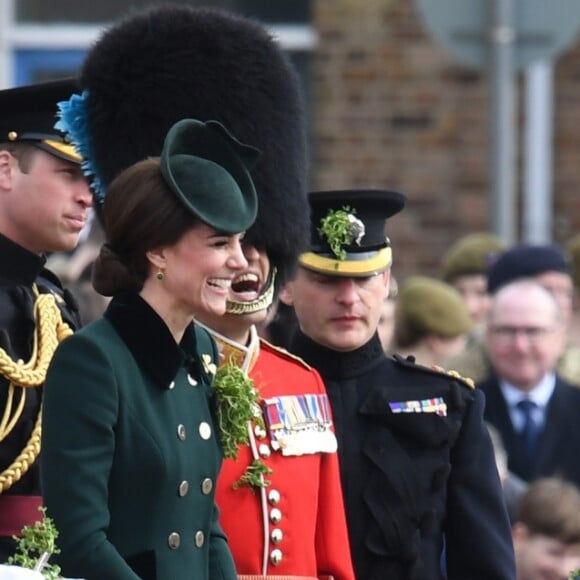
[471,254]
[432,306]
[209,170]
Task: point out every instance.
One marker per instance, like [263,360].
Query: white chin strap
[263,301]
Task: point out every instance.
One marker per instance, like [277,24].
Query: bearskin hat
[160,65]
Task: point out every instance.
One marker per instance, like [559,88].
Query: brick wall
[393,109]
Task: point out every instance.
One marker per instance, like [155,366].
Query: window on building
[89,11]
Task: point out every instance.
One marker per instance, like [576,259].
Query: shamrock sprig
[341,228]
[237,406]
[37,544]
[253,477]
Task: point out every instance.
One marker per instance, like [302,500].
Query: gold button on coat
[181,432]
[276,556]
[206,486]
[172,385]
[174,540]
[277,535]
[191,380]
[275,516]
[183,488]
[274,497]
[199,538]
[204,430]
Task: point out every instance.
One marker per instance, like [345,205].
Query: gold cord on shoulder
[50,330]
[468,380]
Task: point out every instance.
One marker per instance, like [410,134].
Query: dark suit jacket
[557,452]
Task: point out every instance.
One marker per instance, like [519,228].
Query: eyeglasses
[533,334]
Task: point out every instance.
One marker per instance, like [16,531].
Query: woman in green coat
[130,449]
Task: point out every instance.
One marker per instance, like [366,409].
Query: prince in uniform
[44,200]
[418,471]
[288,521]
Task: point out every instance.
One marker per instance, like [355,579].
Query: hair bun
[111,275]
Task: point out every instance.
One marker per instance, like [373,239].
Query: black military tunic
[20,270]
[411,479]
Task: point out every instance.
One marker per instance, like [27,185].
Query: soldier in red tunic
[289,521]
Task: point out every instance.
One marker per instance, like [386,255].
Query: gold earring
[160,276]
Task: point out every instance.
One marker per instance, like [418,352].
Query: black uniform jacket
[557,451]
[19,271]
[411,479]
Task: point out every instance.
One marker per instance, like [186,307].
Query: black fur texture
[172,62]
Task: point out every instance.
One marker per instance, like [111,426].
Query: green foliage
[252,477]
[336,227]
[574,575]
[237,404]
[37,544]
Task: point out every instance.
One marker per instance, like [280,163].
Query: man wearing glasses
[534,409]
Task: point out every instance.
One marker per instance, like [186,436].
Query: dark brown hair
[140,213]
[551,507]
[23,153]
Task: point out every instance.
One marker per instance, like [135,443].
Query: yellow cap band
[65,149]
[379,262]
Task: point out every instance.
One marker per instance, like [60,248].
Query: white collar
[540,394]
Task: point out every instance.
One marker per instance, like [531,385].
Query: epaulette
[286,354]
[410,363]
[455,375]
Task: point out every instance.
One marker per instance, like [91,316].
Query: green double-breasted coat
[130,452]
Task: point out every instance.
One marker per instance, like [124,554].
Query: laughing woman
[130,454]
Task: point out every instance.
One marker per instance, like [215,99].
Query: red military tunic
[296,525]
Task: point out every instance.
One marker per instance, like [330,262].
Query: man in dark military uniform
[44,201]
[421,488]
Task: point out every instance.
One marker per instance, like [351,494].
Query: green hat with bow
[209,171]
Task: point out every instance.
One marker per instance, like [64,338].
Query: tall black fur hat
[171,62]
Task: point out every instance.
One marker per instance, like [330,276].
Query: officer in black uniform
[44,201]
[422,493]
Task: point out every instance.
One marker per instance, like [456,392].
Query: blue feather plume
[73,122]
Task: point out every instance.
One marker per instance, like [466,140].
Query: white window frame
[15,36]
